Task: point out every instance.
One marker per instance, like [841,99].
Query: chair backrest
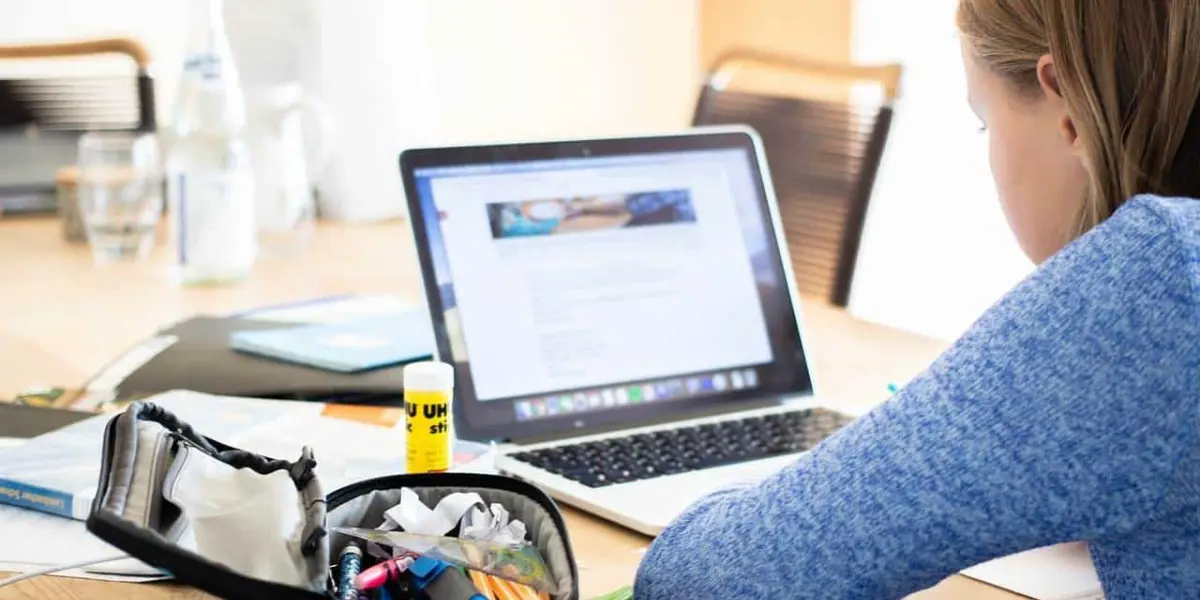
[45,106]
[81,103]
[824,127]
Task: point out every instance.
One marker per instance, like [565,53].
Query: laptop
[620,314]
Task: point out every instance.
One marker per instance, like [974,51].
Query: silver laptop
[620,314]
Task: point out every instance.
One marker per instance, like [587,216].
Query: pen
[349,564]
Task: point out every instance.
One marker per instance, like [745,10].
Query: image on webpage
[560,216]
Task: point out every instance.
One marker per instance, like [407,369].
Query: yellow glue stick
[428,390]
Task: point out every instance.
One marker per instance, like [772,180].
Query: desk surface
[63,318]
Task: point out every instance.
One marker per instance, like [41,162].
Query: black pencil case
[145,446]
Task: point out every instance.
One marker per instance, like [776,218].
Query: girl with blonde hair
[1069,411]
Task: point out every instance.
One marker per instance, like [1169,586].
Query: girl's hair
[1129,72]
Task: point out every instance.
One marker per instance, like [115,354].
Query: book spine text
[35,498]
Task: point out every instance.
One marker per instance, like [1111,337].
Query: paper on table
[346,451]
[1061,572]
[79,573]
[30,540]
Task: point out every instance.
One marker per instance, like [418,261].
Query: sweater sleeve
[1060,415]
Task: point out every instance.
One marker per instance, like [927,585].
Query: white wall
[400,73]
[482,70]
[936,251]
[521,68]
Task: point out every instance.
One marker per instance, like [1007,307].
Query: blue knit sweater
[1067,412]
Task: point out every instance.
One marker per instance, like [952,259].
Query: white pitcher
[288,134]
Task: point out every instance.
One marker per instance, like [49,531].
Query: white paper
[477,521]
[464,510]
[338,310]
[494,526]
[413,516]
[10,442]
[30,540]
[345,451]
[17,567]
[1061,572]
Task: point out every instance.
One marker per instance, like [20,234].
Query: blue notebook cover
[360,345]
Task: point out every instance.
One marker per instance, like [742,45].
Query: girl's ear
[1047,76]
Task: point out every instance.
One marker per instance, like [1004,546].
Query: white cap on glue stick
[428,375]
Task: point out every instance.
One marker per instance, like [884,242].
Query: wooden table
[62,318]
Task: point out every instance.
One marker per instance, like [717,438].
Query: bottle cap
[428,375]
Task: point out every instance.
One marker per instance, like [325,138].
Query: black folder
[201,360]
[20,421]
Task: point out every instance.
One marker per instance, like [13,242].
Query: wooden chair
[74,94]
[824,127]
[43,113]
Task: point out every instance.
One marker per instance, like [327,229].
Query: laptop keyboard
[642,456]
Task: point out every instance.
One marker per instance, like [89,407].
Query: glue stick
[428,390]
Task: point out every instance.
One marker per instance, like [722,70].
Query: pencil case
[163,487]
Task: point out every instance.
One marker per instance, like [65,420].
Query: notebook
[350,347]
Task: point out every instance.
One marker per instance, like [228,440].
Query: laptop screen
[578,288]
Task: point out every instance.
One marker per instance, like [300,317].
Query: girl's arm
[1061,415]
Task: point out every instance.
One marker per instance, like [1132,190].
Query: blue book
[350,347]
[57,472]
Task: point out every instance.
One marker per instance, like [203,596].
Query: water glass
[119,193]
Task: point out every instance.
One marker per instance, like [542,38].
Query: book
[345,347]
[57,472]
